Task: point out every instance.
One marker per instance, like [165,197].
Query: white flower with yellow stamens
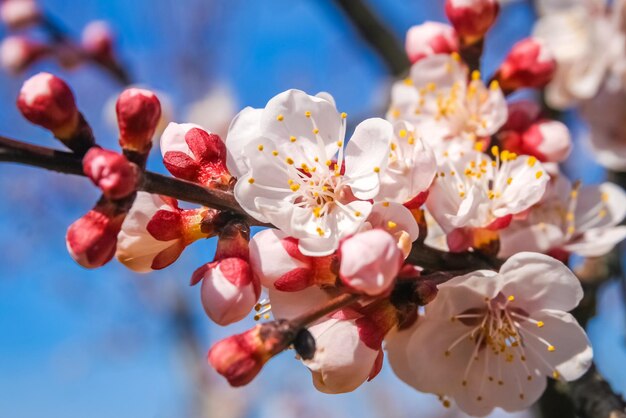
[447,109]
[490,339]
[295,173]
[570,219]
[474,192]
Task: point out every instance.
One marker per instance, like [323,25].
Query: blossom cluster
[455,168]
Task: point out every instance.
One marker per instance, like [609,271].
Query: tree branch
[376,33]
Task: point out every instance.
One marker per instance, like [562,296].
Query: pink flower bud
[529,64]
[111,172]
[548,140]
[229,290]
[279,264]
[430,38]
[191,153]
[241,357]
[370,262]
[17,53]
[472,18]
[521,115]
[138,113]
[19,14]
[97,40]
[92,239]
[47,101]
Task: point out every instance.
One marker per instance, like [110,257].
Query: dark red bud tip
[472,18]
[92,239]
[111,172]
[47,101]
[138,114]
[529,64]
[241,357]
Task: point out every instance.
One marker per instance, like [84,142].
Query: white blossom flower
[588,42]
[285,156]
[472,192]
[444,107]
[571,219]
[490,339]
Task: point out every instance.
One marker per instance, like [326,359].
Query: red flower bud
[97,40]
[529,64]
[47,101]
[138,114]
[548,140]
[19,14]
[92,239]
[430,38]
[111,172]
[241,357]
[472,18]
[17,53]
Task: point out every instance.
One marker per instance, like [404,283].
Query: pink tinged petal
[441,69]
[463,293]
[228,292]
[173,138]
[528,185]
[548,141]
[370,262]
[430,38]
[242,131]
[342,361]
[523,236]
[287,305]
[597,242]
[275,257]
[571,355]
[600,206]
[540,282]
[137,248]
[494,110]
[295,113]
[460,239]
[366,156]
[377,367]
[168,256]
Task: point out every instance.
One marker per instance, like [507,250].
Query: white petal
[288,305]
[269,259]
[393,217]
[173,137]
[597,242]
[244,129]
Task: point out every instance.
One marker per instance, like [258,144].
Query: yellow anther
[540,324]
[494,85]
[393,146]
[340,144]
[475,75]
[604,197]
[376,169]
[446,403]
[555,375]
[511,298]
[509,180]
[551,348]
[290,182]
[316,131]
[602,213]
[307,114]
[344,115]
[320,231]
[395,113]
[411,140]
[357,213]
[452,173]
[391,224]
[260,147]
[461,194]
[455,56]
[316,159]
[408,81]
[571,229]
[292,138]
[431,86]
[280,118]
[289,160]
[491,194]
[495,151]
[569,216]
[275,153]
[538,174]
[328,163]
[294,187]
[251,180]
[317,211]
[402,133]
[531,161]
[386,204]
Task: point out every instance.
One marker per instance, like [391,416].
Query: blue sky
[77,343]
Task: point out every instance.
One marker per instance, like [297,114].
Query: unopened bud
[233,241]
[548,140]
[138,113]
[111,172]
[19,14]
[47,101]
[193,154]
[92,239]
[521,115]
[97,40]
[17,53]
[370,262]
[241,357]
[529,64]
[229,290]
[430,38]
[472,18]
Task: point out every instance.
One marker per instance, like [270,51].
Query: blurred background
[111,343]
